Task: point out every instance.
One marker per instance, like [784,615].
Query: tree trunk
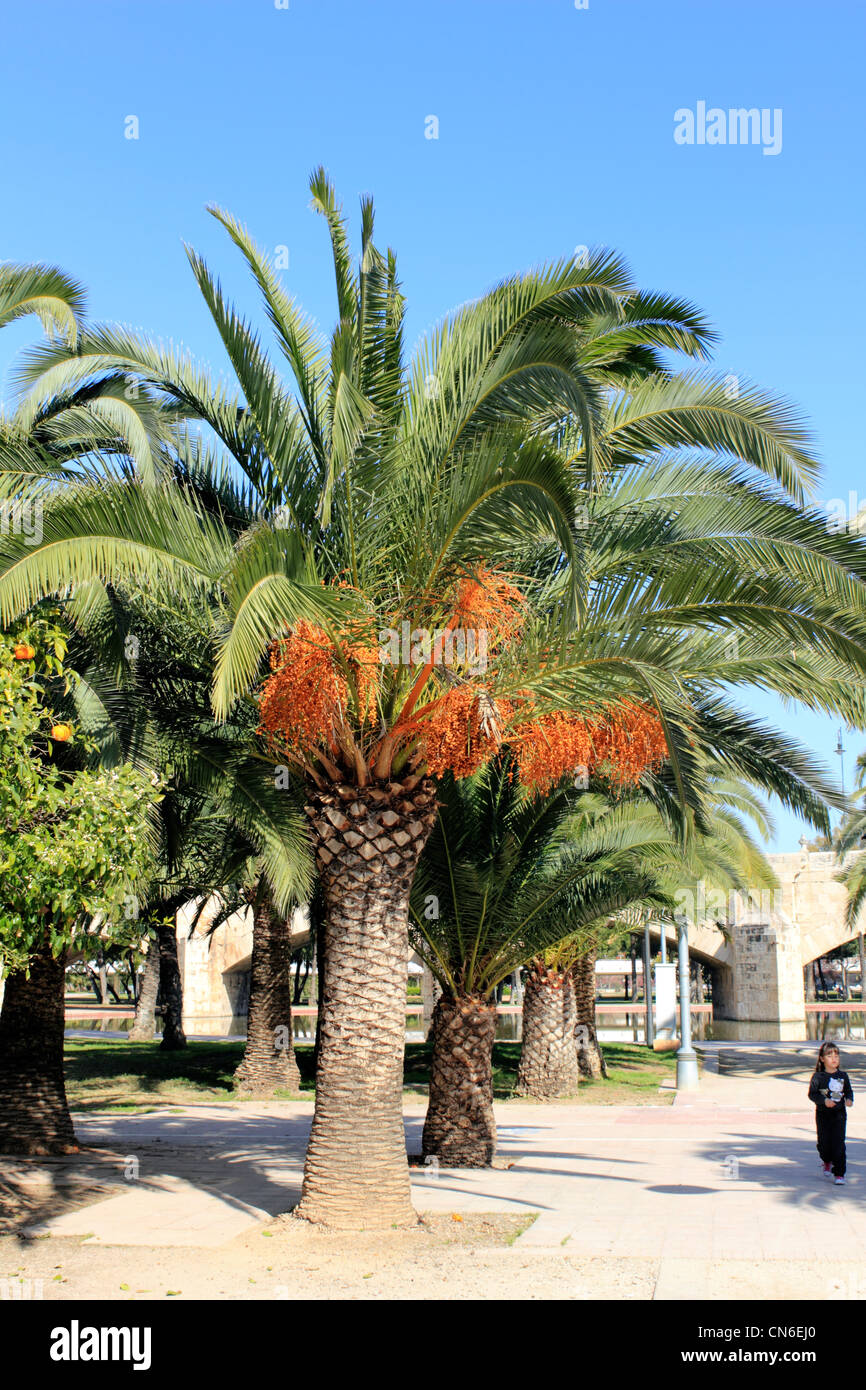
[809,982]
[431,992]
[548,1062]
[170,989]
[269,1057]
[103,977]
[590,1058]
[34,1114]
[699,983]
[633,973]
[144,1024]
[861,947]
[460,1129]
[367,846]
[132,979]
[821,978]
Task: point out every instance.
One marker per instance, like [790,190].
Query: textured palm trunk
[548,1063]
[144,1024]
[367,846]
[170,990]
[590,1058]
[269,1057]
[460,1129]
[34,1114]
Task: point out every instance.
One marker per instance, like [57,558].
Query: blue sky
[556,130]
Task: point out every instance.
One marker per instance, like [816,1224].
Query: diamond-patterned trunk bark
[460,1128]
[144,1023]
[548,1061]
[269,1057]
[34,1115]
[170,990]
[367,846]
[590,1057]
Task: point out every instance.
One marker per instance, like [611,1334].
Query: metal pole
[649,1030]
[687,1061]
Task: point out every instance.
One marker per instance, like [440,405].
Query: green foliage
[75,842]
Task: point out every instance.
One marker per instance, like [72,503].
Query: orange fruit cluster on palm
[306,701]
[621,746]
[309,702]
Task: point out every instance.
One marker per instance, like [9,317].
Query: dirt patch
[286,1259]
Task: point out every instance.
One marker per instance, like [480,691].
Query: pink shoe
[828,1168]
[838,1180]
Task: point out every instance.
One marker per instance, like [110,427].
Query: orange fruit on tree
[61,733]
[24,652]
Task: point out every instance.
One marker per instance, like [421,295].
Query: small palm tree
[504,879]
[508,879]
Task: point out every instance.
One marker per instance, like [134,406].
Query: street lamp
[687,1060]
[840,750]
[649,1029]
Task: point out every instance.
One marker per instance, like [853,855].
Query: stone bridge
[757,962]
[215,966]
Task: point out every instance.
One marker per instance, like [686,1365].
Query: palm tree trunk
[460,1128]
[144,1024]
[590,1058]
[367,846]
[170,989]
[861,948]
[34,1114]
[699,983]
[269,1057]
[548,1063]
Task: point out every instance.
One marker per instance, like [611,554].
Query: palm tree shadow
[256,1164]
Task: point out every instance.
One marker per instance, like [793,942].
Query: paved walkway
[727,1174]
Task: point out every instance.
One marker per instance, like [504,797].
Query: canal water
[841,1024]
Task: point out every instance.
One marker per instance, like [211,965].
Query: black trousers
[831,1136]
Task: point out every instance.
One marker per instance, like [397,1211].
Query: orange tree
[534,529]
[74,843]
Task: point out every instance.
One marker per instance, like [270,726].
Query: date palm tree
[537,476]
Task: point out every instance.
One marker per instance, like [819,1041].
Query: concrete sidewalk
[727,1175]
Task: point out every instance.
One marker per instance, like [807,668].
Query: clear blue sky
[555,130]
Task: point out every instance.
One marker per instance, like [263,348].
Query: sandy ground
[441,1260]
[289,1259]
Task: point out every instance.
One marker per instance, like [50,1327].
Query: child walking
[831,1094]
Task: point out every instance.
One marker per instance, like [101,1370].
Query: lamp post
[687,1061]
[649,1028]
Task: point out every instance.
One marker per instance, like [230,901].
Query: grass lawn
[138,1076]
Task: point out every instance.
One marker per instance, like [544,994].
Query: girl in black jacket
[831,1094]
